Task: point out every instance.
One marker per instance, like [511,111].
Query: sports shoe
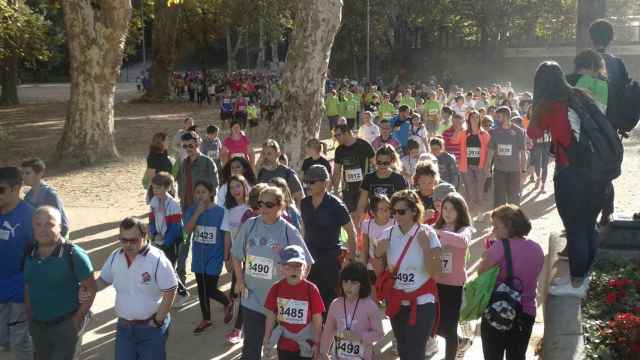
[431,348]
[234,336]
[228,312]
[180,300]
[202,327]
[560,280]
[568,290]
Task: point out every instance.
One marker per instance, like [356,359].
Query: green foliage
[23,33]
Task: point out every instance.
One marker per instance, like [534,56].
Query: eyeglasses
[400,211]
[189,146]
[383,163]
[267,204]
[125,241]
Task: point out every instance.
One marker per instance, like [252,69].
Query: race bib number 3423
[205,234]
[293,311]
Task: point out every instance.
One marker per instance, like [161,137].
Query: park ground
[96,198]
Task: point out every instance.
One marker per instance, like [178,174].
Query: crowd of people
[319,256]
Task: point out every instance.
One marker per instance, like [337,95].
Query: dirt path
[96,198]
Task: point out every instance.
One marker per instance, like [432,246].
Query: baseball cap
[316,173]
[442,190]
[292,254]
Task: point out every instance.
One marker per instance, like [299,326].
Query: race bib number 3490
[259,267]
[293,311]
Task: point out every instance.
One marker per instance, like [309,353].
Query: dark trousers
[172,254]
[289,355]
[55,342]
[325,273]
[253,334]
[607,206]
[506,188]
[412,340]
[238,324]
[514,342]
[578,201]
[208,289]
[450,301]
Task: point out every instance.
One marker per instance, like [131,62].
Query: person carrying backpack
[588,157]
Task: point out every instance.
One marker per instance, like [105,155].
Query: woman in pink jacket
[474,147]
[454,231]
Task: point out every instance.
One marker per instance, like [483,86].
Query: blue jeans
[141,342]
[578,202]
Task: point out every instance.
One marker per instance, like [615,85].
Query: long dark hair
[248,173]
[157,143]
[230,202]
[549,84]
[356,271]
[460,205]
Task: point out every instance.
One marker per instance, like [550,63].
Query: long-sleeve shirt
[454,251]
[554,118]
[366,322]
[46,195]
[165,220]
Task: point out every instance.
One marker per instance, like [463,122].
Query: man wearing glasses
[16,234]
[145,285]
[194,168]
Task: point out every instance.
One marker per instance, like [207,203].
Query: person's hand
[239,286]
[152,322]
[228,265]
[83,295]
[268,351]
[77,320]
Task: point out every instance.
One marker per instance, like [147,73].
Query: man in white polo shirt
[145,284]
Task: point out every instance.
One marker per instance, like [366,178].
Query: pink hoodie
[454,255]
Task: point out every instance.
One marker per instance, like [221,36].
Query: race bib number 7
[353,175]
[293,311]
[259,267]
[447,263]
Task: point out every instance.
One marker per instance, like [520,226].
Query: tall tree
[163,47]
[588,11]
[96,34]
[316,23]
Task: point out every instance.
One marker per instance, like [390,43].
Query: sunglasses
[400,211]
[383,163]
[189,146]
[125,241]
[267,204]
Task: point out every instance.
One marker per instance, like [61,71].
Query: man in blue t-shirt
[16,234]
[401,125]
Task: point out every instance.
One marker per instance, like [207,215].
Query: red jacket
[554,117]
[394,301]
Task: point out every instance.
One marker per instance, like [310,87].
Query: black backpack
[505,306]
[629,113]
[597,155]
[623,108]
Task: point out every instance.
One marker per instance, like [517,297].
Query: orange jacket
[484,149]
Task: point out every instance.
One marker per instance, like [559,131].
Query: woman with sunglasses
[384,181]
[255,254]
[413,255]
[236,166]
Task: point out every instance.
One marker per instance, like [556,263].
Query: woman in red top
[578,198]
[237,145]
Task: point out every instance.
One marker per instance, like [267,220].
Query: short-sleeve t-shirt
[374,233]
[355,164]
[207,245]
[159,162]
[53,283]
[323,224]
[16,234]
[507,144]
[473,150]
[383,186]
[294,307]
[237,147]
[233,219]
[264,176]
[309,162]
[527,258]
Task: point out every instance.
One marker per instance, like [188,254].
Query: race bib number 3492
[293,311]
[259,267]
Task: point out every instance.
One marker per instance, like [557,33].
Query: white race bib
[353,175]
[405,280]
[447,262]
[4,234]
[505,149]
[349,349]
[473,152]
[293,311]
[259,267]
[213,154]
[205,234]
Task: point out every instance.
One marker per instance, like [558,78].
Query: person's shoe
[568,290]
[228,312]
[560,280]
[204,325]
[180,300]
[431,348]
[234,336]
[464,344]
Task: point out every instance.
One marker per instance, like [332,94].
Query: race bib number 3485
[293,311]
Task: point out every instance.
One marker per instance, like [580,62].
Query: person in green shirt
[351,109]
[332,105]
[386,110]
[589,76]
[408,99]
[252,114]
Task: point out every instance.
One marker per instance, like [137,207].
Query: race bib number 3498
[293,311]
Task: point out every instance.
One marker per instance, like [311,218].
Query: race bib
[213,154]
[405,280]
[433,112]
[293,311]
[353,175]
[447,262]
[259,267]
[349,349]
[473,152]
[505,150]
[205,234]
[4,234]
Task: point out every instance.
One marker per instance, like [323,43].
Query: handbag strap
[404,251]
[508,259]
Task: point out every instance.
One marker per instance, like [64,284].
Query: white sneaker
[180,300]
[432,347]
[560,280]
[568,290]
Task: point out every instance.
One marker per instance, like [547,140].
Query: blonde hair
[274,191]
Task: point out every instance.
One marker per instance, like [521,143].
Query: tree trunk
[261,48]
[96,33]
[9,81]
[305,72]
[232,50]
[163,41]
[274,52]
[587,12]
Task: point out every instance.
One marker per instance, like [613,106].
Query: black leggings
[514,342]
[238,324]
[412,339]
[208,289]
[450,301]
[172,254]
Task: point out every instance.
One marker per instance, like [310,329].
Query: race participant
[145,285]
[54,271]
[269,166]
[204,222]
[16,235]
[158,160]
[237,144]
[240,110]
[410,161]
[474,149]
[426,179]
[459,106]
[332,104]
[451,136]
[178,151]
[368,130]
[291,212]
[354,322]
[211,145]
[447,165]
[507,157]
[255,254]
[385,180]
[386,110]
[418,133]
[236,166]
[353,160]
[412,251]
[401,125]
[41,193]
[454,231]
[385,137]
[324,217]
[295,308]
[313,149]
[226,107]
[372,231]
